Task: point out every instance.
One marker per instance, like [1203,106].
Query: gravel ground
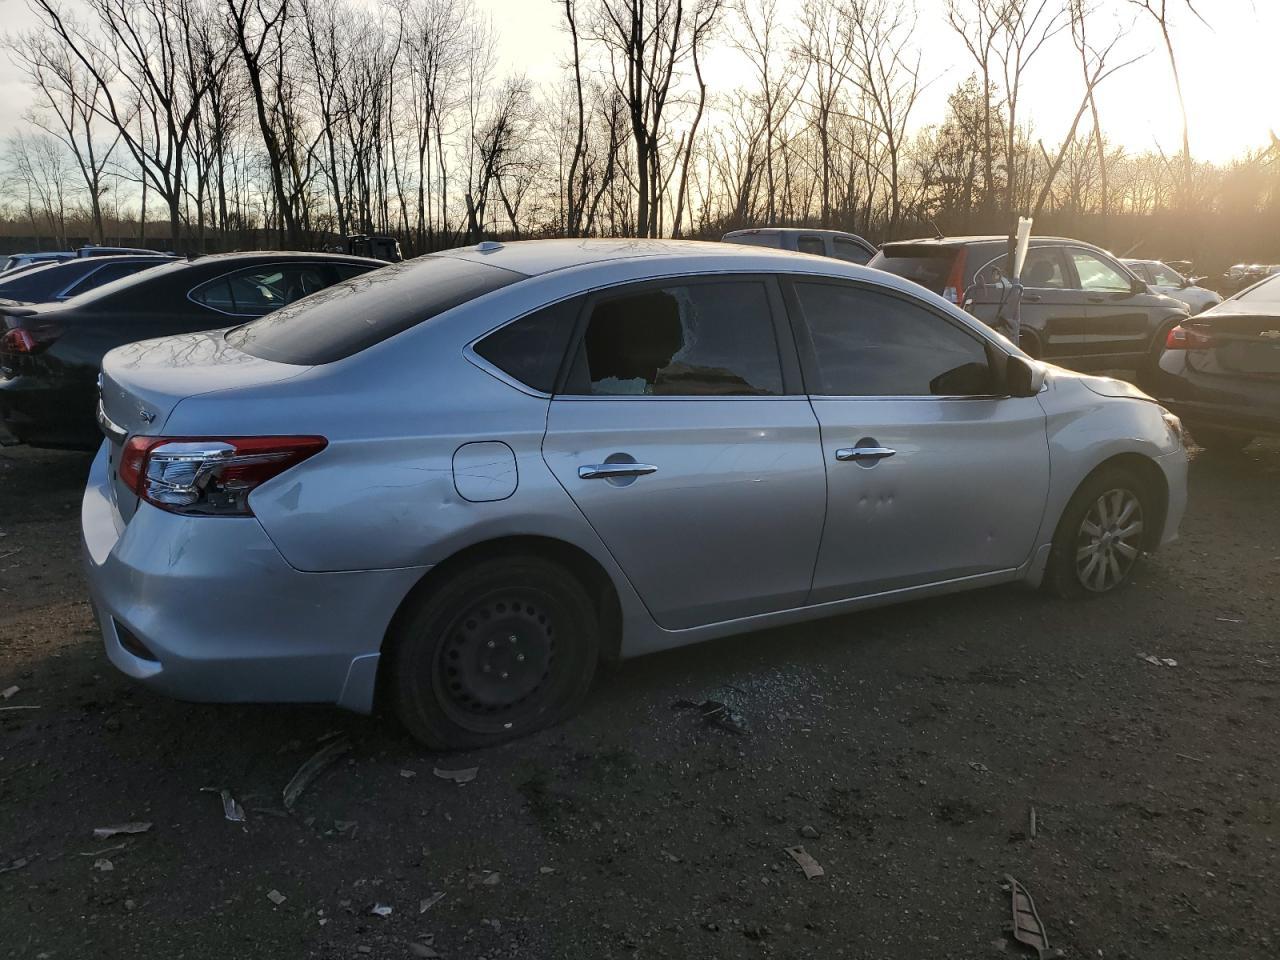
[904,748]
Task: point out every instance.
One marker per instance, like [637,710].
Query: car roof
[807,231]
[992,238]
[536,257]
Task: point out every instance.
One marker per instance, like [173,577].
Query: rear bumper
[1221,402]
[222,614]
[46,413]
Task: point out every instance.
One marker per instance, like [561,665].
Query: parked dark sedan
[50,354]
[70,278]
[1081,307]
[1220,371]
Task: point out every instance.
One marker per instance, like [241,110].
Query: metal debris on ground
[380,910]
[8,692]
[231,810]
[1025,927]
[812,869]
[276,897]
[312,768]
[717,714]
[465,775]
[429,902]
[1157,661]
[103,833]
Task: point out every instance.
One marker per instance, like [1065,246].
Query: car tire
[1092,545]
[1220,441]
[1150,374]
[496,651]
[1029,343]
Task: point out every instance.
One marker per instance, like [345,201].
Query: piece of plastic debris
[34,706]
[429,902]
[465,775]
[809,833]
[1229,620]
[98,853]
[546,870]
[812,869]
[1187,756]
[103,864]
[1157,661]
[718,714]
[979,767]
[276,897]
[102,833]
[1032,831]
[15,865]
[312,768]
[380,910]
[491,879]
[1169,661]
[231,810]
[408,774]
[8,692]
[1025,927]
[422,950]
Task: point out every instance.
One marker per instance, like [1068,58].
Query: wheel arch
[593,576]
[1153,480]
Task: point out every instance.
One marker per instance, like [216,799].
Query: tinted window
[870,344]
[1096,274]
[530,349]
[703,339]
[256,291]
[354,315]
[848,250]
[929,266]
[1044,269]
[811,245]
[112,271]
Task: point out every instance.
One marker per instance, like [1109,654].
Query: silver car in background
[458,482]
[1162,278]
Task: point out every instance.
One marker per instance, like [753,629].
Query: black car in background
[50,354]
[70,278]
[1081,307]
[1220,371]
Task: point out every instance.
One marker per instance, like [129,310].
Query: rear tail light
[209,476]
[23,340]
[1187,338]
[955,279]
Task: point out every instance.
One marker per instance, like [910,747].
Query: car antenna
[937,234]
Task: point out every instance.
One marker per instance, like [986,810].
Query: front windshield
[1165,275]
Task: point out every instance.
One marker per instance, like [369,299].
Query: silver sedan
[458,482]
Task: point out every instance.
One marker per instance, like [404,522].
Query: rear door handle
[864,453]
[1095,298]
[612,471]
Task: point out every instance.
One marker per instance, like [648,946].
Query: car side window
[811,245]
[692,340]
[1096,274]
[848,250]
[256,291]
[872,344]
[1044,269]
[531,349]
[347,271]
[107,274]
[1164,275]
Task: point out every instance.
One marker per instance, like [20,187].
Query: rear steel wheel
[1109,540]
[497,650]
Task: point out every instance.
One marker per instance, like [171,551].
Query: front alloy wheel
[1109,541]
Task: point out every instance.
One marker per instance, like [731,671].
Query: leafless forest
[218,124]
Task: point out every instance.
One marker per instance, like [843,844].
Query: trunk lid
[141,383]
[1242,343]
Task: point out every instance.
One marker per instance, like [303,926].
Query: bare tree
[979,24]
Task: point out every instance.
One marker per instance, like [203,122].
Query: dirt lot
[913,741]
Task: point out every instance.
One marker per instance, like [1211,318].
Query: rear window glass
[1267,291]
[354,315]
[927,266]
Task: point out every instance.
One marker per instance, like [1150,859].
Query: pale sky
[1229,72]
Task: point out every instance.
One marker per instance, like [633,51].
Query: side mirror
[1023,377]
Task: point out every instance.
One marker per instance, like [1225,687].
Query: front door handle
[1031,298]
[614,471]
[864,453]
